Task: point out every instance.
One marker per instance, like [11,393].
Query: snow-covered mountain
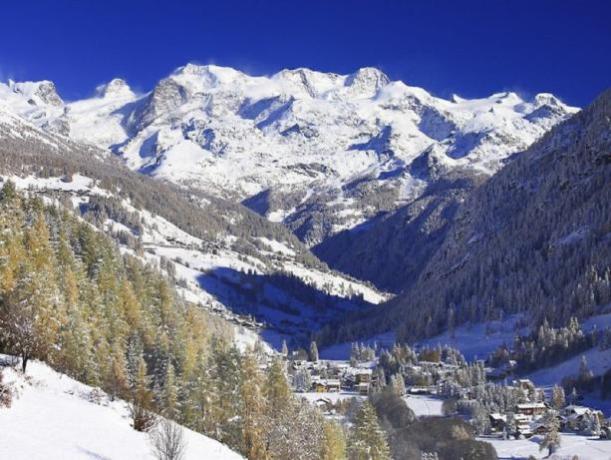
[532,239]
[319,152]
[221,255]
[55,417]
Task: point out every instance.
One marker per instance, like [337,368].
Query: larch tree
[254,420]
[277,390]
[334,447]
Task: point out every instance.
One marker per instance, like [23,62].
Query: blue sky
[472,48]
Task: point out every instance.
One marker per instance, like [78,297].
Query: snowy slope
[572,446]
[299,143]
[55,417]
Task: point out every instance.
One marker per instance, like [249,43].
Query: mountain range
[329,156]
[296,198]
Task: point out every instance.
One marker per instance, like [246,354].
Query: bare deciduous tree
[168,441]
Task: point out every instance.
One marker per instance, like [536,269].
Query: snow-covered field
[424,405]
[598,362]
[53,417]
[477,341]
[586,448]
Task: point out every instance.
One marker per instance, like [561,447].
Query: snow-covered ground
[341,351]
[599,361]
[424,405]
[54,417]
[477,341]
[586,448]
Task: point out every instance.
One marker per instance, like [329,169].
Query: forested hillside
[535,238]
[68,297]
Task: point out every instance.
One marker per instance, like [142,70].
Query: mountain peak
[367,80]
[38,92]
[117,87]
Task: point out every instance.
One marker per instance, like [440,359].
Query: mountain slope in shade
[54,417]
[319,152]
[535,238]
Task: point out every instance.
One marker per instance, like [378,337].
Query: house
[326,385]
[532,409]
[576,416]
[497,421]
[419,390]
[363,376]
[363,388]
[523,428]
[539,428]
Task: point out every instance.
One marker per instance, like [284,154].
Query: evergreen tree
[367,440]
[551,440]
[313,351]
[558,398]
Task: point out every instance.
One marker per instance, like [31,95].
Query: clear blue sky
[471,48]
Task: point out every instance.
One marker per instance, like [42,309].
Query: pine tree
[551,440]
[585,374]
[313,351]
[397,384]
[558,397]
[367,440]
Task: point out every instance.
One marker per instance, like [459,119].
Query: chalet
[326,385]
[497,421]
[531,409]
[576,415]
[363,388]
[523,428]
[363,376]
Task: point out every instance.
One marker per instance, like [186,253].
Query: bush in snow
[6,395]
